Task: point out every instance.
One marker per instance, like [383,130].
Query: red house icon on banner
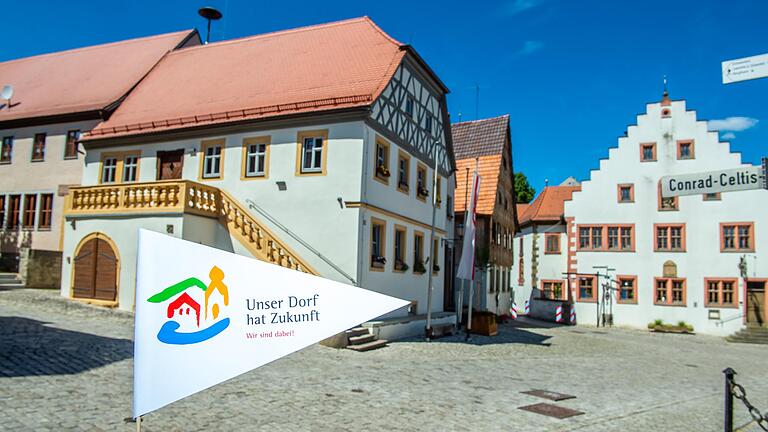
[182,306]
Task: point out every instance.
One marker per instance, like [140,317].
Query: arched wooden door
[96,267]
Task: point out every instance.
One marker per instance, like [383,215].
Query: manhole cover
[546,394]
[551,410]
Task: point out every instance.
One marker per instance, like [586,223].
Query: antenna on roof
[210,14]
[7,94]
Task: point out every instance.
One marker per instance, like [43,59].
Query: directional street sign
[746,68]
[730,180]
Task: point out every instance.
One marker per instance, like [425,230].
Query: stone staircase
[256,237]
[185,196]
[750,334]
[360,339]
[10,281]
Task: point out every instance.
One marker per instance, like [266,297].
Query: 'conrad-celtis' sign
[737,179]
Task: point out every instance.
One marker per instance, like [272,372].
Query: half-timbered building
[311,148]
[486,145]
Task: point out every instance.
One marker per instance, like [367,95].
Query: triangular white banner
[204,316]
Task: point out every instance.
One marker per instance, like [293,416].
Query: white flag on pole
[466,268]
[204,316]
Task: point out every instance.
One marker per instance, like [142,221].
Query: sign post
[743,69]
[730,180]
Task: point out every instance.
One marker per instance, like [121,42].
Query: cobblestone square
[66,366]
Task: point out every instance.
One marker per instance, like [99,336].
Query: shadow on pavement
[509,333]
[29,347]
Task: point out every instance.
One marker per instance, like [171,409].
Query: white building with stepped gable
[311,148]
[675,259]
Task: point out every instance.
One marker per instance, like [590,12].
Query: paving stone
[66,366]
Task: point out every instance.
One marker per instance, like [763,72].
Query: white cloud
[515,7]
[530,47]
[728,136]
[736,124]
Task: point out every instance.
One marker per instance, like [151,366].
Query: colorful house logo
[181,305]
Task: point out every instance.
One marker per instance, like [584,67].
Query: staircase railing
[259,240]
[185,196]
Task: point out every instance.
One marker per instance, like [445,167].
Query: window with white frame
[109,169]
[130,168]
[312,154]
[212,161]
[256,160]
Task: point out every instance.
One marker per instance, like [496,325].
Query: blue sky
[573,74]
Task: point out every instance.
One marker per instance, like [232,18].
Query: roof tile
[84,79]
[548,206]
[330,66]
[480,137]
[488,168]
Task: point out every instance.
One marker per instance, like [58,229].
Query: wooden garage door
[96,271]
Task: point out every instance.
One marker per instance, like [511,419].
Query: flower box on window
[418,267]
[401,266]
[435,268]
[382,171]
[378,261]
[423,192]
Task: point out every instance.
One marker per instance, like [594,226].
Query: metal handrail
[287,230]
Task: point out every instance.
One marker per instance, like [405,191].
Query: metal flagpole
[460,304]
[472,282]
[432,245]
[469,307]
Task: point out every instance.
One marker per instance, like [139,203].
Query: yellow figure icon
[217,284]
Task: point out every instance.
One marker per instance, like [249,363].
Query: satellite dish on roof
[210,14]
[7,92]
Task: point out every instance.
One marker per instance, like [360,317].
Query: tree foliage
[524,192]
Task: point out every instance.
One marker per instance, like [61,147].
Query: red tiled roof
[548,206]
[488,167]
[330,66]
[81,80]
[521,208]
[480,137]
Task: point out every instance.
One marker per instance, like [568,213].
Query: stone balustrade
[184,196]
[161,196]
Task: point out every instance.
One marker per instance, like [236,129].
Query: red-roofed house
[541,252]
[486,145]
[310,148]
[56,97]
